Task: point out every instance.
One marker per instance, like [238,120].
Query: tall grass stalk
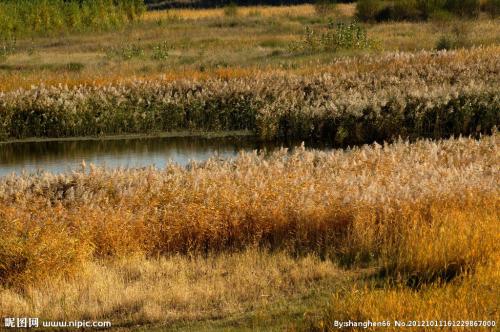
[420,211]
[45,17]
[356,100]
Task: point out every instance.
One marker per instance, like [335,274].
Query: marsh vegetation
[401,223]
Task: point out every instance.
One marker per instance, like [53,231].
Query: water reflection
[63,156]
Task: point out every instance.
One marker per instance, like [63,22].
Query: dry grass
[128,244]
[165,290]
[232,239]
[204,46]
[352,101]
[305,10]
[470,298]
[357,206]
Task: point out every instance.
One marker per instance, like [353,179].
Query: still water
[65,156]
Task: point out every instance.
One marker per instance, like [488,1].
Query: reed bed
[423,211]
[355,100]
[226,237]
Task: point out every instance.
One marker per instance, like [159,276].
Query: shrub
[398,11]
[442,17]
[492,7]
[412,10]
[445,42]
[125,53]
[345,36]
[377,10]
[367,10]
[338,36]
[456,39]
[428,8]
[75,66]
[463,8]
[161,50]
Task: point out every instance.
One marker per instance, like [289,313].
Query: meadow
[189,44]
[400,222]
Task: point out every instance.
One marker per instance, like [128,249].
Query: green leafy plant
[414,10]
[445,42]
[28,17]
[337,36]
[161,51]
[128,52]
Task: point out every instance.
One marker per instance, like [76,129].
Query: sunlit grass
[352,101]
[156,246]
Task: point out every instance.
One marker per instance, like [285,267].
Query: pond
[67,155]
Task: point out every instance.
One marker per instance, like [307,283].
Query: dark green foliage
[168,4]
[128,52]
[28,17]
[160,51]
[337,36]
[445,43]
[367,10]
[492,7]
[414,10]
[269,115]
[75,66]
[463,8]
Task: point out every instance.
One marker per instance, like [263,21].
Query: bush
[428,8]
[492,7]
[445,42]
[366,10]
[412,10]
[345,36]
[376,10]
[456,39]
[337,36]
[463,8]
[161,50]
[442,17]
